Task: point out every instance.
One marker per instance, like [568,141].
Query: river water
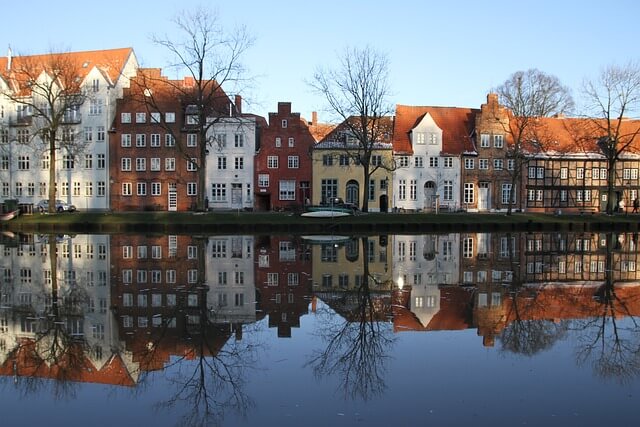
[242,330]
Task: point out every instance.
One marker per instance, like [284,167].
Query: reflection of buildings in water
[489,257]
[47,330]
[283,280]
[343,266]
[430,259]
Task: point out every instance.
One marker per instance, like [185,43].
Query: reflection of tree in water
[524,334]
[57,350]
[358,343]
[610,338]
[208,377]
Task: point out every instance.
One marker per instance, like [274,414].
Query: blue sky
[441,53]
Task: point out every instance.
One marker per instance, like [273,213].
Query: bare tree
[530,95]
[211,58]
[357,91]
[48,92]
[610,99]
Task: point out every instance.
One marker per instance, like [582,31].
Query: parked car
[43,206]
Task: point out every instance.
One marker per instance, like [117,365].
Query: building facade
[283,162]
[82,155]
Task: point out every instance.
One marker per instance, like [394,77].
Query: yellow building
[338,172]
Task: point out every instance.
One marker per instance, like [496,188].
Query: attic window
[85,64]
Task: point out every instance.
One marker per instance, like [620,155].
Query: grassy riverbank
[272,222]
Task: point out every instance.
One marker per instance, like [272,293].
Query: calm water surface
[489,329]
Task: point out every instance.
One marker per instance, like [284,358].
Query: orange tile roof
[110,62]
[457,125]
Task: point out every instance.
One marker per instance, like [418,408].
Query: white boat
[325,214]
[325,239]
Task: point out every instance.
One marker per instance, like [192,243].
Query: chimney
[9,56]
[238,104]
[314,118]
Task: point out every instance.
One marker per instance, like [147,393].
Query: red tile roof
[110,62]
[457,125]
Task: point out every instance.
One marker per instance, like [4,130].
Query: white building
[230,275]
[427,145]
[82,173]
[230,163]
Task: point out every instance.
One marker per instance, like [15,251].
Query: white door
[483,196]
[173,197]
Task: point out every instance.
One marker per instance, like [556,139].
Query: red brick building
[283,162]
[154,146]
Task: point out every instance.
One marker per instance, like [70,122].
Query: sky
[445,53]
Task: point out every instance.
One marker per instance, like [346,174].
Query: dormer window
[433,139]
[420,139]
[95,85]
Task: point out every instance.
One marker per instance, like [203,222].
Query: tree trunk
[611,177]
[365,193]
[52,171]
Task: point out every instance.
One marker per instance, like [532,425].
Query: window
[498,141]
[403,161]
[23,136]
[287,190]
[433,138]
[169,140]
[125,164]
[343,160]
[469,196]
[141,117]
[564,173]
[192,165]
[101,161]
[155,140]
[170,117]
[141,188]
[156,252]
[595,173]
[68,162]
[141,164]
[155,117]
[580,173]
[484,140]
[506,194]
[192,189]
[126,189]
[483,164]
[292,142]
[88,161]
[433,162]
[192,140]
[154,164]
[448,191]
[88,189]
[448,162]
[402,189]
[469,163]
[156,189]
[238,140]
[125,140]
[272,162]
[101,188]
[222,163]
[327,160]
[540,172]
[328,188]
[170,164]
[263,180]
[293,162]
[418,161]
[141,140]
[498,164]
[511,164]
[467,247]
[239,163]
[95,107]
[23,163]
[376,160]
[125,118]
[284,123]
[218,192]
[88,134]
[278,142]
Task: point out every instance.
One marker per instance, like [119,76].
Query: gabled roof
[109,62]
[457,125]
